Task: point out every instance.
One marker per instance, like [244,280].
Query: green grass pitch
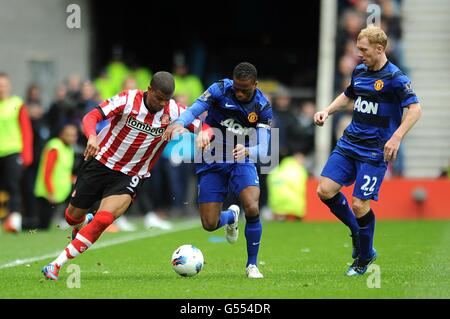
[298,260]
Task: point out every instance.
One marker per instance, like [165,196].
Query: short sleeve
[265,119]
[404,91]
[114,106]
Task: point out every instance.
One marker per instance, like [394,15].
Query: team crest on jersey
[165,119]
[253,117]
[145,127]
[378,85]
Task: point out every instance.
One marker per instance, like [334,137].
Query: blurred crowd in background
[171,191]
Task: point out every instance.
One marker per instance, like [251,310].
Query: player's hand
[202,140]
[320,118]
[173,130]
[240,152]
[391,148]
[92,147]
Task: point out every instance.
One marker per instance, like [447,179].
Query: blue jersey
[379,98]
[232,117]
[227,114]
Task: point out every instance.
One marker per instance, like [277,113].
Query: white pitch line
[108,243]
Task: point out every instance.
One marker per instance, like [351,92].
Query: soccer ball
[187,260]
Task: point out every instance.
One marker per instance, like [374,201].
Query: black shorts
[96,181]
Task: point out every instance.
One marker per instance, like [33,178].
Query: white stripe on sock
[83,240]
[72,250]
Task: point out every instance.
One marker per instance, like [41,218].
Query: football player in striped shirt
[117,160]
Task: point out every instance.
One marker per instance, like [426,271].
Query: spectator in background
[67,106]
[117,72]
[350,24]
[300,132]
[117,76]
[41,134]
[391,23]
[104,86]
[89,101]
[130,83]
[59,111]
[54,180]
[16,149]
[33,95]
[287,188]
[282,118]
[89,98]
[73,94]
[346,64]
[185,83]
[142,76]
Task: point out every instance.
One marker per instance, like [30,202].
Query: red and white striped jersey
[132,142]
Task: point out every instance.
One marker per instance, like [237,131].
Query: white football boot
[231,230]
[253,272]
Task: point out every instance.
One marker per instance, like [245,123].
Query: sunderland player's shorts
[218,179]
[96,181]
[346,170]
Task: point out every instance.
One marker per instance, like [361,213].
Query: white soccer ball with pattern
[187,260]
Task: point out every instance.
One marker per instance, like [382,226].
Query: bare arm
[391,147]
[320,117]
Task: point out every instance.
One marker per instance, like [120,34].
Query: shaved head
[163,81]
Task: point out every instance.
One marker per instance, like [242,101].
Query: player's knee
[209,224]
[324,193]
[251,209]
[359,207]
[70,214]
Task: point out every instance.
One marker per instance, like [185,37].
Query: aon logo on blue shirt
[235,127]
[366,107]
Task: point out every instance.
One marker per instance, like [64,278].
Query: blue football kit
[234,119]
[379,99]
[219,173]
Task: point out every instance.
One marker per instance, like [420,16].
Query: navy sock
[366,232]
[253,232]
[226,217]
[339,207]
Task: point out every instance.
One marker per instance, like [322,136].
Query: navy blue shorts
[346,170]
[215,182]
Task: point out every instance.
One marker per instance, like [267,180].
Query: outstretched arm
[185,119]
[320,117]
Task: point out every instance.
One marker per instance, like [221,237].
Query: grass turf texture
[298,260]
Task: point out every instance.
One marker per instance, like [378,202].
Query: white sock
[61,259]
